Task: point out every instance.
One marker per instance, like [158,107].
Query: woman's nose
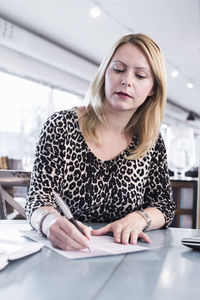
[127,80]
[125,83]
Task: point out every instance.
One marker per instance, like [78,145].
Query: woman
[107,160]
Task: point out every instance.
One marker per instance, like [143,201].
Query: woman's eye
[140,76]
[118,70]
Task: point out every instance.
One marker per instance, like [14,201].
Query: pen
[67,212]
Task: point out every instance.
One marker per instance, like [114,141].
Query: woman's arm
[158,191]
[48,172]
[48,168]
[158,204]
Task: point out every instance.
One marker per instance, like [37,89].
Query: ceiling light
[190,85]
[95,12]
[174,73]
[191,116]
[164,126]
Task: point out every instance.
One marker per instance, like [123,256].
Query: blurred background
[51,49]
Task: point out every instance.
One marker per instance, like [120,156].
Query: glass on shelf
[181,152]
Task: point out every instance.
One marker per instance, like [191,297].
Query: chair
[10,180]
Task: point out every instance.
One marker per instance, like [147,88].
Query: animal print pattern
[95,190]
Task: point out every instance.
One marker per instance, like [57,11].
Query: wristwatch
[146,217]
[41,218]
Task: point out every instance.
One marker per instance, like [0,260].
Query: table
[168,270]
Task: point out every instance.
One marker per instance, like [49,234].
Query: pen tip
[90,248]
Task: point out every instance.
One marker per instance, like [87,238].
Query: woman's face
[128,79]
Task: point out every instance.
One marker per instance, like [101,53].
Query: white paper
[101,246]
[3,259]
[11,250]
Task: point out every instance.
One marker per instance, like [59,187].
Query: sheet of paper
[101,246]
[11,250]
[3,260]
[15,246]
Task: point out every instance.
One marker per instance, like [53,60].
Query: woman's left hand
[126,230]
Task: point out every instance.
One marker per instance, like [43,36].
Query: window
[24,107]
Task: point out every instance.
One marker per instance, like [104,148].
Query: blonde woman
[107,160]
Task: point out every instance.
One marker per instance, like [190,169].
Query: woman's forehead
[131,54]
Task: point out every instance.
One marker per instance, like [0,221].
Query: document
[11,250]
[100,245]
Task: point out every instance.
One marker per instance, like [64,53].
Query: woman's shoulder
[72,113]
[160,140]
[160,144]
[67,113]
[61,117]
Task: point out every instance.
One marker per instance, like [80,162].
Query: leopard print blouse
[95,190]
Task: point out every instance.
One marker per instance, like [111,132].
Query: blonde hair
[146,121]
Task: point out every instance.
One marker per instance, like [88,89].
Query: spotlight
[174,73]
[191,116]
[95,12]
[190,85]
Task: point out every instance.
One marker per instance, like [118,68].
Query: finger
[71,231]
[134,236]
[145,237]
[86,229]
[117,233]
[103,230]
[125,236]
[65,243]
[67,234]
[60,239]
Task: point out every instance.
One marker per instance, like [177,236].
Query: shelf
[185,197]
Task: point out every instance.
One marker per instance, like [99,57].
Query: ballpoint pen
[67,213]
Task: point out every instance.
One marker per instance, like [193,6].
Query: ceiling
[173,24]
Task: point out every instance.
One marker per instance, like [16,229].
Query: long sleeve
[48,166]
[158,192]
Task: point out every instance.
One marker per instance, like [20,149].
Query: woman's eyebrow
[137,67]
[143,69]
[119,61]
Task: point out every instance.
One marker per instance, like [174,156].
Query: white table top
[168,270]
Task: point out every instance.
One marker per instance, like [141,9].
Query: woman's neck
[116,120]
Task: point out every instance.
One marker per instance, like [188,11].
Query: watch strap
[146,217]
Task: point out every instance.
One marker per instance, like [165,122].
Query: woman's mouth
[123,95]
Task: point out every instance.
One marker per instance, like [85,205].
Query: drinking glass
[181,153]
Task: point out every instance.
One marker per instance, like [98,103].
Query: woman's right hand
[64,235]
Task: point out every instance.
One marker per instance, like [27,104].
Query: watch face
[148,224]
[146,217]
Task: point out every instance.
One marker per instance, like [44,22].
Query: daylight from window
[24,107]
